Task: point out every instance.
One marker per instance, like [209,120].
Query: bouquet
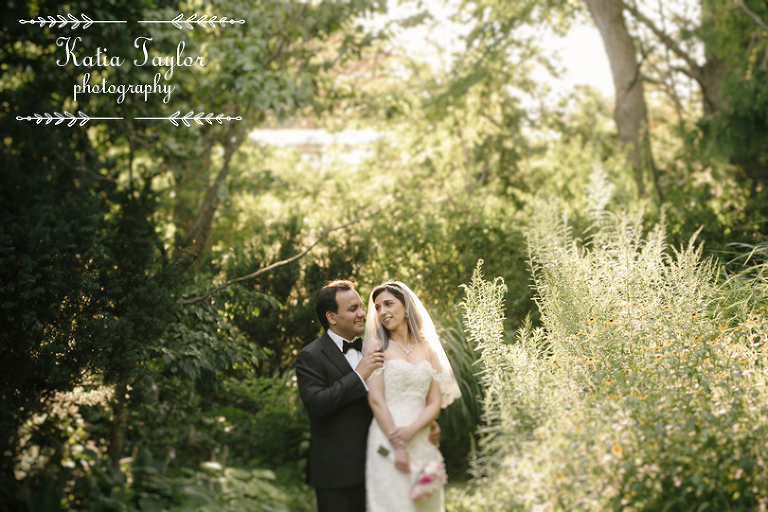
[430,479]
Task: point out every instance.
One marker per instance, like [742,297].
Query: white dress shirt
[353,356]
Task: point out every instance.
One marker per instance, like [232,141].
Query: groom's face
[349,321]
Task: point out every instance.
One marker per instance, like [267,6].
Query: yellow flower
[616,450]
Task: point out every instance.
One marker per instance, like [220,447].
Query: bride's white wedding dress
[387,489]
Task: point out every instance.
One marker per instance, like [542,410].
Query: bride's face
[390,310]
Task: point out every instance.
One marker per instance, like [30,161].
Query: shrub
[142,484]
[265,422]
[642,390]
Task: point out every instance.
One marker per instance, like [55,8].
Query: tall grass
[644,388]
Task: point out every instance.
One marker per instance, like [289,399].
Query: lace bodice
[405,388]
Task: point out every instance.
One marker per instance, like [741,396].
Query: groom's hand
[369,363]
[434,434]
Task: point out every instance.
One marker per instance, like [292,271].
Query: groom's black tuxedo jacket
[339,415]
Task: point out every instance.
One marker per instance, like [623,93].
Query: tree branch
[669,88]
[273,266]
[193,242]
[669,81]
[753,15]
[694,70]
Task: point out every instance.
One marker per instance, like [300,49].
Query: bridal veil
[423,329]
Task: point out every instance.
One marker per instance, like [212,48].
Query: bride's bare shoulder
[373,344]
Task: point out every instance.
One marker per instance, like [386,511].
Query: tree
[54,236]
[631,113]
[88,286]
[672,39]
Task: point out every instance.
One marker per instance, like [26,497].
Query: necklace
[406,352]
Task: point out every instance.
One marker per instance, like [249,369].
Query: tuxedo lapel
[332,352]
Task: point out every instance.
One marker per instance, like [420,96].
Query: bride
[405,395]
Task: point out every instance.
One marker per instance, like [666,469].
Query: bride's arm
[384,417]
[377,403]
[427,415]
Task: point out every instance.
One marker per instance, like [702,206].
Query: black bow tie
[357,344]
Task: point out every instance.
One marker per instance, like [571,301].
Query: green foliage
[459,421]
[53,445]
[734,131]
[102,222]
[81,287]
[266,424]
[106,227]
[636,394]
[146,485]
[203,339]
[734,134]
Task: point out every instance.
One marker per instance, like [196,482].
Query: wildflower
[617,450]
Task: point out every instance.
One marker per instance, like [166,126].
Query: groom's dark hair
[326,299]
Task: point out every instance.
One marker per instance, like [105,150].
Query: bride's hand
[402,461]
[400,437]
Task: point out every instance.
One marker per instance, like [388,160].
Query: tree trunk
[117,429]
[630,113]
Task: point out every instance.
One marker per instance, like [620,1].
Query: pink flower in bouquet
[431,478]
[426,479]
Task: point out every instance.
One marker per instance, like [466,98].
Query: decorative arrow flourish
[202,21]
[56,118]
[200,118]
[61,21]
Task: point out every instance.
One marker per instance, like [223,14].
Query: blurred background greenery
[144,367]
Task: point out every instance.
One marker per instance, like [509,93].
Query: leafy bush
[643,389]
[266,424]
[459,421]
[244,422]
[146,485]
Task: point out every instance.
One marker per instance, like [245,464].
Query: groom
[331,373]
